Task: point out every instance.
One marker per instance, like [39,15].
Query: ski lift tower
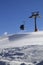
[35,15]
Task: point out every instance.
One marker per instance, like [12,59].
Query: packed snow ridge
[21,39]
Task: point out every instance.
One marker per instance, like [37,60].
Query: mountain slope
[19,40]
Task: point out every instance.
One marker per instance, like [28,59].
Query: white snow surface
[21,39]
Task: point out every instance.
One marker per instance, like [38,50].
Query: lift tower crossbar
[35,15]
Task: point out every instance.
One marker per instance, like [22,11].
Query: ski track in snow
[26,54]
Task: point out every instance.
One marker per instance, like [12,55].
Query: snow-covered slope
[21,48]
[32,54]
[17,40]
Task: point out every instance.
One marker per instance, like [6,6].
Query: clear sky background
[13,13]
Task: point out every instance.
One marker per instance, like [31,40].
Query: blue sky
[14,12]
